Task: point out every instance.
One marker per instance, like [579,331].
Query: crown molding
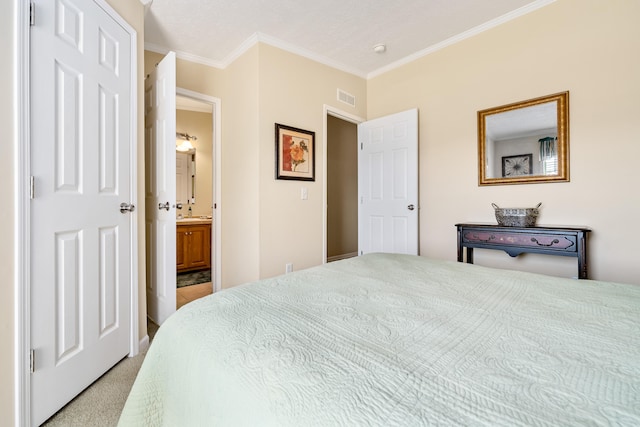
[186,56]
[291,48]
[258,37]
[146,4]
[251,41]
[462,36]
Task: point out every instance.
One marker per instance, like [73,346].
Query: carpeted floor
[100,405]
[193,278]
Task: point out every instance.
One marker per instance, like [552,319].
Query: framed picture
[517,165]
[295,153]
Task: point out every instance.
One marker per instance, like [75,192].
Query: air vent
[346,97]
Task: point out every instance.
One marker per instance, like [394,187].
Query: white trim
[289,47]
[328,110]
[247,44]
[22,280]
[462,36]
[241,49]
[343,256]
[22,248]
[144,344]
[216,252]
[186,56]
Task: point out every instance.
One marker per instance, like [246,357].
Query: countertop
[193,221]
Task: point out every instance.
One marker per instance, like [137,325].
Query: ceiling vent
[346,97]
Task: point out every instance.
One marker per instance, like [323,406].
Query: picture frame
[518,165]
[295,153]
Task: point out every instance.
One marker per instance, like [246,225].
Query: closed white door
[81,139]
[388,184]
[160,189]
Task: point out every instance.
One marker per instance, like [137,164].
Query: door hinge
[32,361]
[32,14]
[32,187]
[362,145]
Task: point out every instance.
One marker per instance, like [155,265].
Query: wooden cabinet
[193,247]
[550,240]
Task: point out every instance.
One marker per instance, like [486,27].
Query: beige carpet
[101,404]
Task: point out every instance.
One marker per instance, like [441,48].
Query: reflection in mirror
[525,142]
[185,169]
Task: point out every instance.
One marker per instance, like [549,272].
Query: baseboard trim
[343,256]
[144,344]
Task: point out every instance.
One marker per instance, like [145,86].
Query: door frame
[216,230]
[328,110]
[22,210]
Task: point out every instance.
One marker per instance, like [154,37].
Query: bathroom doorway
[197,231]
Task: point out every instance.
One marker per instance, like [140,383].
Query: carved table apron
[550,240]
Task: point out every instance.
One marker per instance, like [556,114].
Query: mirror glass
[524,142]
[186,177]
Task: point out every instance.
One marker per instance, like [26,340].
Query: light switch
[304,194]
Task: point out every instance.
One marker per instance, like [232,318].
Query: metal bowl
[516,217]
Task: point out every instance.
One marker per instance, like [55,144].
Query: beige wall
[265,224]
[592,49]
[594,54]
[201,125]
[132,12]
[237,88]
[292,91]
[239,175]
[342,187]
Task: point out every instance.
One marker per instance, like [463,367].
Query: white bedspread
[396,340]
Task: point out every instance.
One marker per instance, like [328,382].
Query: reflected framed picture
[295,153]
[518,165]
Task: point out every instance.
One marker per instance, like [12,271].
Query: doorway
[161,194]
[341,185]
[387,208]
[194,199]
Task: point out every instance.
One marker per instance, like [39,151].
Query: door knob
[127,207]
[411,207]
[166,206]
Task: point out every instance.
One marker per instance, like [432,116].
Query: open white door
[160,189]
[81,237]
[388,184]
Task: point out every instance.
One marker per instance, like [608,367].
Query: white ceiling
[339,33]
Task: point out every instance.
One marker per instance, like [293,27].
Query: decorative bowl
[516,217]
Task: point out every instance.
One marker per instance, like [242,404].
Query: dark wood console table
[550,240]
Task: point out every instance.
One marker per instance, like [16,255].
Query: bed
[397,340]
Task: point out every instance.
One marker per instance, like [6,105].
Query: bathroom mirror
[524,142]
[186,177]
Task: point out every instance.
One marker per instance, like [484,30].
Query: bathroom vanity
[193,244]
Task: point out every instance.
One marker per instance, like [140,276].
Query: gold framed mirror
[524,142]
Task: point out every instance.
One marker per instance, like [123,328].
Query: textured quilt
[397,340]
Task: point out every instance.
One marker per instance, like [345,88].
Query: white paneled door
[81,238]
[160,192]
[388,184]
